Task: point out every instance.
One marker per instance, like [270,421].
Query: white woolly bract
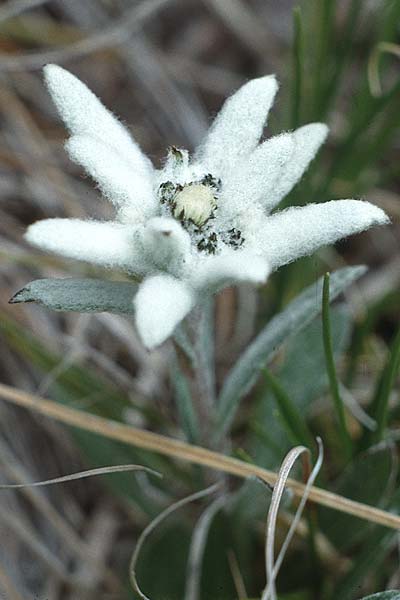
[107,244]
[84,114]
[226,235]
[160,305]
[168,245]
[238,127]
[307,140]
[254,181]
[217,272]
[299,231]
[120,184]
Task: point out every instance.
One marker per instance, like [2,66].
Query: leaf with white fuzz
[160,305]
[299,231]
[84,114]
[297,315]
[106,244]
[238,126]
[388,595]
[79,295]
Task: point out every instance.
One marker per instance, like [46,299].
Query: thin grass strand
[153,524]
[197,547]
[79,475]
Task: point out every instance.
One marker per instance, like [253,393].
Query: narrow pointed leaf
[389,595]
[80,295]
[293,319]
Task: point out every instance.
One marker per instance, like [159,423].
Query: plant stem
[204,368]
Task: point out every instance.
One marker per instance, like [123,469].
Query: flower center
[195,204]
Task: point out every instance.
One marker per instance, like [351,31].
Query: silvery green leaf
[80,295]
[297,315]
[389,595]
[303,379]
[184,400]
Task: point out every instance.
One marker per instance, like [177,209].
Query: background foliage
[165,68]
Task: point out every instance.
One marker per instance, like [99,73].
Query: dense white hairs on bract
[299,231]
[160,305]
[83,113]
[253,182]
[169,245]
[307,141]
[238,127]
[214,273]
[120,184]
[107,244]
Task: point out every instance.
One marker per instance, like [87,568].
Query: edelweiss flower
[201,223]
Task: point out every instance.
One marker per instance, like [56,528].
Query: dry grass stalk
[193,454]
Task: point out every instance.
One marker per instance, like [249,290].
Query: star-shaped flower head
[200,223]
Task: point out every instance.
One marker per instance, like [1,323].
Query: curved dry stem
[313,475]
[279,488]
[287,465]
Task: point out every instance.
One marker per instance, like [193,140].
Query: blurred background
[165,68]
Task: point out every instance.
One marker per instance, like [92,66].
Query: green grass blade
[296,316]
[380,403]
[342,53]
[298,65]
[291,417]
[367,113]
[325,10]
[331,369]
[371,557]
[363,329]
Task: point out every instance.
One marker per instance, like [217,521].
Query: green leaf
[162,563]
[184,401]
[367,563]
[380,403]
[80,295]
[306,377]
[389,595]
[292,418]
[366,480]
[331,369]
[303,374]
[293,319]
